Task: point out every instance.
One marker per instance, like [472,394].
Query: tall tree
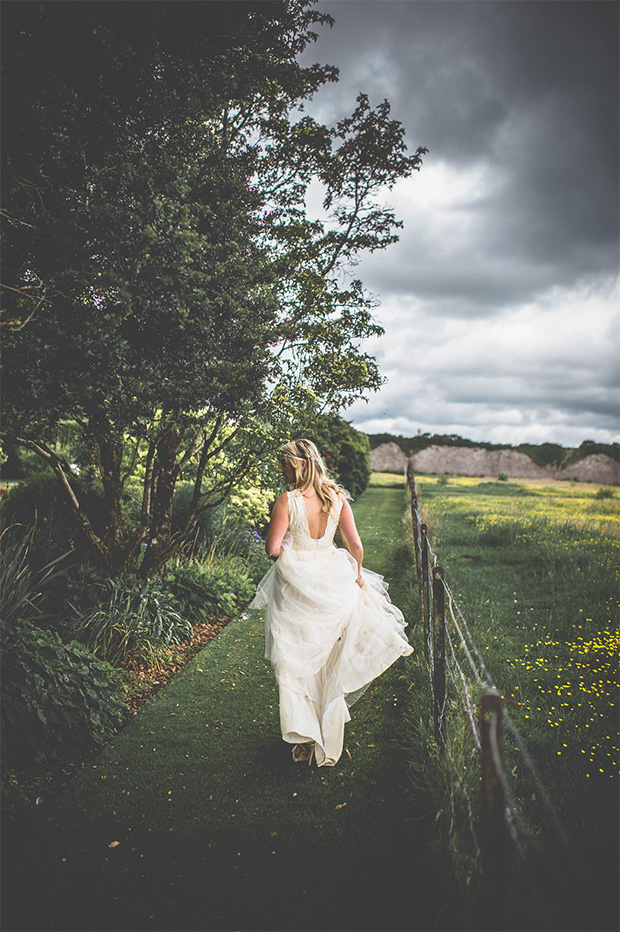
[163,285]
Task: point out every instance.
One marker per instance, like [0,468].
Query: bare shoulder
[346,511]
[281,502]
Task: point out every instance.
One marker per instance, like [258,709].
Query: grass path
[216,827]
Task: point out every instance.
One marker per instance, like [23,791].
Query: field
[534,569]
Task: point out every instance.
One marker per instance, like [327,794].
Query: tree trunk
[116,536]
[166,471]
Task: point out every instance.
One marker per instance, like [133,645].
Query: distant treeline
[543,454]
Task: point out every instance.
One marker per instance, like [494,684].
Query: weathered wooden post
[494,834]
[426,598]
[417,545]
[439,656]
[410,476]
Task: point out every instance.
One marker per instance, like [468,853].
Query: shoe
[305,752]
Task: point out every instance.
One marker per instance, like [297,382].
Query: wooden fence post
[417,546]
[410,476]
[494,835]
[426,598]
[439,656]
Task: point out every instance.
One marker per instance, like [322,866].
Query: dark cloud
[516,205]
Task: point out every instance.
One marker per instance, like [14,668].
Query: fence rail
[446,634]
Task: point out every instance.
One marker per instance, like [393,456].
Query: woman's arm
[351,538]
[277,527]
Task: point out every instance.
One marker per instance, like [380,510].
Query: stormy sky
[500,301]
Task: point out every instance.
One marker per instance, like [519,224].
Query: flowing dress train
[326,637]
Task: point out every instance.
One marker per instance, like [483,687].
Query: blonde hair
[311,473]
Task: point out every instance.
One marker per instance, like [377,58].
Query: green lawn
[195,817]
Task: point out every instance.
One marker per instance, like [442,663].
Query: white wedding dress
[326,637]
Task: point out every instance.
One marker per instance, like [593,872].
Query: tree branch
[203,462]
[57,462]
[130,469]
[190,451]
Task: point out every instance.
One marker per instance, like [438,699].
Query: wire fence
[462,686]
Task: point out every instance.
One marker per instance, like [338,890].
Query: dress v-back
[326,637]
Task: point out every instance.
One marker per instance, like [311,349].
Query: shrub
[345,450]
[42,499]
[55,697]
[258,561]
[76,592]
[134,617]
[502,477]
[216,526]
[604,493]
[227,528]
[249,506]
[442,480]
[213,585]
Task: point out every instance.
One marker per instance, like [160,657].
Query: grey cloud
[531,85]
[526,94]
[460,285]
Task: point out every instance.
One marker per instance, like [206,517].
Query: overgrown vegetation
[56,697]
[65,620]
[534,569]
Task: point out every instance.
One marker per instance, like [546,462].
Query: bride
[330,627]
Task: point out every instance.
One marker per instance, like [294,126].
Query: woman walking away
[330,627]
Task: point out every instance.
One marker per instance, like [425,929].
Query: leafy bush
[200,589]
[502,477]
[214,529]
[42,499]
[134,617]
[227,528]
[55,697]
[249,506]
[604,493]
[74,593]
[346,451]
[442,480]
[257,562]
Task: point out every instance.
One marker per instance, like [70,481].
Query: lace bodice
[298,532]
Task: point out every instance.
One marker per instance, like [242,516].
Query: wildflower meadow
[534,568]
